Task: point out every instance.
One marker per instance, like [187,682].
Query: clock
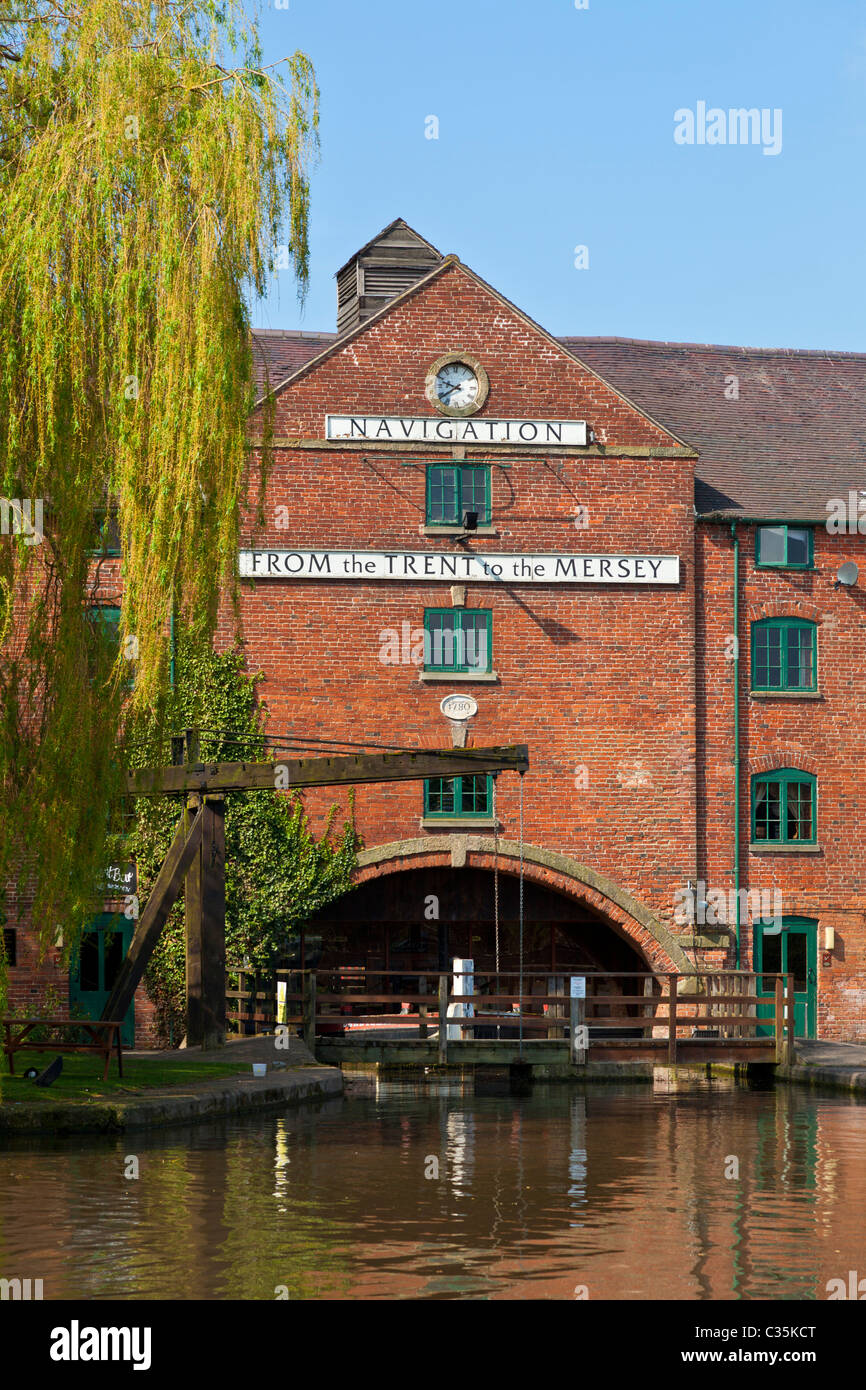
[457,384]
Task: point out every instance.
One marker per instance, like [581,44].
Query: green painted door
[95,966]
[792,950]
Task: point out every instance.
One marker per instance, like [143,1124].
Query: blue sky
[556,130]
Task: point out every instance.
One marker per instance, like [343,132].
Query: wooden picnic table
[105,1037]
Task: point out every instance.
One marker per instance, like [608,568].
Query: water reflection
[706,1192]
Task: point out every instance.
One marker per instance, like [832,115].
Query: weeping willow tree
[149,166]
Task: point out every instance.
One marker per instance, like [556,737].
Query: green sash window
[783,654]
[458,796]
[784,547]
[457,639]
[783,807]
[453,489]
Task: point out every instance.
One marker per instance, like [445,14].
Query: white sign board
[461,984]
[578,986]
[459,706]
[403,566]
[431,429]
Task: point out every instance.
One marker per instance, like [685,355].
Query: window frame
[456,669]
[783,625]
[94,608]
[458,813]
[458,468]
[99,623]
[10,946]
[784,777]
[101,517]
[785,564]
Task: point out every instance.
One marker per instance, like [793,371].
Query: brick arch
[548,868]
[786,608]
[784,755]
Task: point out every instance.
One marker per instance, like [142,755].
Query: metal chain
[520,993]
[496,878]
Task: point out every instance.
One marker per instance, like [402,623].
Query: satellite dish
[847,574]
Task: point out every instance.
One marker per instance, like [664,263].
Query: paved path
[841,1066]
[257,1049]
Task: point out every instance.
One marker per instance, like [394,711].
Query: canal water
[400,1190]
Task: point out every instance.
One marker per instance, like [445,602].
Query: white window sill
[786,695]
[457,531]
[770,848]
[455,822]
[490,677]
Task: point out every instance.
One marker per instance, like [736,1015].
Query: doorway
[793,950]
[95,967]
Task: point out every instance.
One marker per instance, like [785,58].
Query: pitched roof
[795,437]
[279,352]
[337,342]
[411,236]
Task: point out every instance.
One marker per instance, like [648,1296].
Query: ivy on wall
[278,872]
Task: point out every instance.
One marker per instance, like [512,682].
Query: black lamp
[470,521]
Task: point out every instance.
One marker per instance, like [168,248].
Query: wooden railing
[252,1000]
[703,1006]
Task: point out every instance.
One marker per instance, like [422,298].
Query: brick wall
[597,679]
[819,735]
[623,693]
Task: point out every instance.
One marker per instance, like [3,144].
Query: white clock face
[457,385]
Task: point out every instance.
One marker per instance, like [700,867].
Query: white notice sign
[480,567]
[578,986]
[433,429]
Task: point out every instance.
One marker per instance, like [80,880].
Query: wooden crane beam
[197,853]
[343,770]
[183,850]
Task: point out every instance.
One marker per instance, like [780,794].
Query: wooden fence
[630,1015]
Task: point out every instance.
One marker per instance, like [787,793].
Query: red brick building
[627,554]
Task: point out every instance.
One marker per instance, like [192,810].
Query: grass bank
[81,1082]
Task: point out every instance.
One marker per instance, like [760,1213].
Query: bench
[104,1038]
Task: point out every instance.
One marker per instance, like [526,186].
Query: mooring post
[213,935]
[577,1016]
[780,1020]
[205,918]
[192,910]
[672,1019]
[789,1051]
[647,1008]
[443,1019]
[310,1010]
[422,1008]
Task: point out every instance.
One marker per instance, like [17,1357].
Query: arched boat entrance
[422,918]
[420,903]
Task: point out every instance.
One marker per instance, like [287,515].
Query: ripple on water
[405,1191]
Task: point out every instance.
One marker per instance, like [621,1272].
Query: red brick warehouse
[441,422]
[627,555]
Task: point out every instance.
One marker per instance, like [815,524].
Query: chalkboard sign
[119,879]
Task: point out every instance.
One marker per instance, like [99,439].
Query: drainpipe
[171,644]
[736,739]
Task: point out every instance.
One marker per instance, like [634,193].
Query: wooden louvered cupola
[383,269]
